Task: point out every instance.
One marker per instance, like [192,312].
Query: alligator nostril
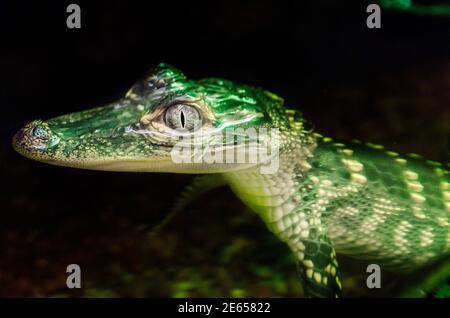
[38,131]
[34,131]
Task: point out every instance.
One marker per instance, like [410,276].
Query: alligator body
[320,198]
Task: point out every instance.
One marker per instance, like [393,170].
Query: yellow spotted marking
[426,237]
[347,152]
[414,156]
[399,234]
[447,195]
[418,212]
[309,273]
[338,282]
[417,198]
[434,163]
[445,185]
[317,277]
[304,234]
[305,164]
[374,146]
[392,154]
[353,165]
[411,175]
[439,172]
[415,186]
[424,257]
[325,280]
[327,183]
[317,135]
[347,211]
[327,139]
[358,178]
[308,263]
[314,179]
[130,91]
[333,270]
[442,221]
[334,260]
[401,161]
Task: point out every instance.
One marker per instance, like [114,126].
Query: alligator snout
[35,136]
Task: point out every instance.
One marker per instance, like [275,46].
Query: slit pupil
[183,120]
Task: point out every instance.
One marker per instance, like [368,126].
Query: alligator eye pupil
[182,116]
[183,120]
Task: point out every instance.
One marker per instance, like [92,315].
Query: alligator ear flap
[159,77]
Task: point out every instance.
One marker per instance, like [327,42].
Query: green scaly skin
[357,198]
[410,6]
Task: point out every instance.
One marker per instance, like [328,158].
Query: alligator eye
[182,116]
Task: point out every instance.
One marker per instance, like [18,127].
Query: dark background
[389,86]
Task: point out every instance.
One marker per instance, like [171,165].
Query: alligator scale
[325,197]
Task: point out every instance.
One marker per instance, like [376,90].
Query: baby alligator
[317,195]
